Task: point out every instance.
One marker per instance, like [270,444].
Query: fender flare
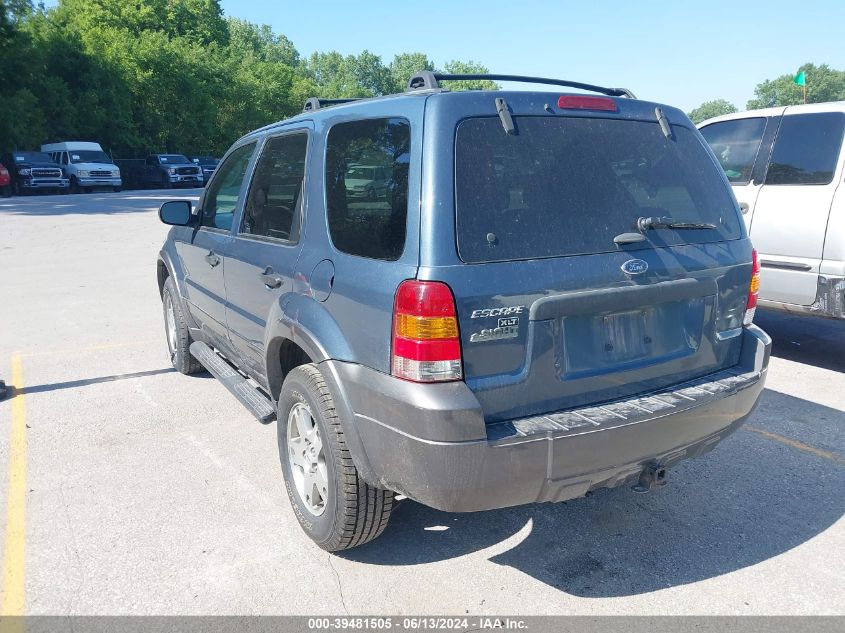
[305,322]
[173,268]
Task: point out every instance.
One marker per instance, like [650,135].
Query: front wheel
[176,329]
[335,507]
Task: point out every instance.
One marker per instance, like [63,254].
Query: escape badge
[507,325]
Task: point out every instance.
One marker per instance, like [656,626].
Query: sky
[675,52]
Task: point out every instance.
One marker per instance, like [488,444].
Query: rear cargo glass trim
[498,178]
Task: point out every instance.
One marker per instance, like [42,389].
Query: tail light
[753,289]
[426,346]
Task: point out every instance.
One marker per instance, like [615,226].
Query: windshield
[32,157]
[567,186]
[205,160]
[173,159]
[88,156]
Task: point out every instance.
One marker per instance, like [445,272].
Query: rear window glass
[736,144]
[568,186]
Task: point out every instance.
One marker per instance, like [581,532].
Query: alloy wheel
[307,459]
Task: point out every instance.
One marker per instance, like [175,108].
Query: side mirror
[176,212]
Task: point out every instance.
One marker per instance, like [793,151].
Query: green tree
[336,76]
[709,109]
[456,67]
[823,84]
[259,41]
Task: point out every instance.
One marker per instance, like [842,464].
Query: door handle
[271,279]
[212,258]
[743,206]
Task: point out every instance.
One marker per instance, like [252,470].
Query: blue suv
[551,293]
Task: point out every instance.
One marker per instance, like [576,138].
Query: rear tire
[347,512]
[176,331]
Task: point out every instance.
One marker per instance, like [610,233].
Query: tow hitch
[653,476]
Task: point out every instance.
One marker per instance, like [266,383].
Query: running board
[258,404]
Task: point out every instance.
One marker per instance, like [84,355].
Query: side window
[736,144]
[367,214]
[225,188]
[806,149]
[273,204]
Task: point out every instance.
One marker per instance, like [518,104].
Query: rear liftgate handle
[271,279]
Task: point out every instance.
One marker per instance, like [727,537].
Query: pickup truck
[35,171]
[168,171]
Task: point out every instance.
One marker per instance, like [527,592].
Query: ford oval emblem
[634,267]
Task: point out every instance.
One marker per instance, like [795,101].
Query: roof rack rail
[427,80]
[315,103]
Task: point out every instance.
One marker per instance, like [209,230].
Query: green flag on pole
[800,79]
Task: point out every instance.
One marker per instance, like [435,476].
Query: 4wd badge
[495,334]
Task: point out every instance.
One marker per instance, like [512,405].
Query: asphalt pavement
[127,488]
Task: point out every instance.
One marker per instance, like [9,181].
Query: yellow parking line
[90,348]
[818,452]
[13,550]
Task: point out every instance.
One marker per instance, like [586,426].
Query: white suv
[785,166]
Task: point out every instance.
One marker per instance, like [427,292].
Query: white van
[785,165]
[85,164]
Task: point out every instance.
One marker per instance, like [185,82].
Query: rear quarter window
[567,186]
[807,149]
[367,165]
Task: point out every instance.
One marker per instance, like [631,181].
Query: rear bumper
[430,442]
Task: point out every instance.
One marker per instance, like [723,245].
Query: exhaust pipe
[653,476]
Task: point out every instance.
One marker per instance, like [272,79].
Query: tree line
[823,84]
[178,75]
[168,75]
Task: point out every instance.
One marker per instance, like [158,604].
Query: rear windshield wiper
[644,224]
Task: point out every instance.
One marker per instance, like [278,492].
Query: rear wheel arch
[283,356]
